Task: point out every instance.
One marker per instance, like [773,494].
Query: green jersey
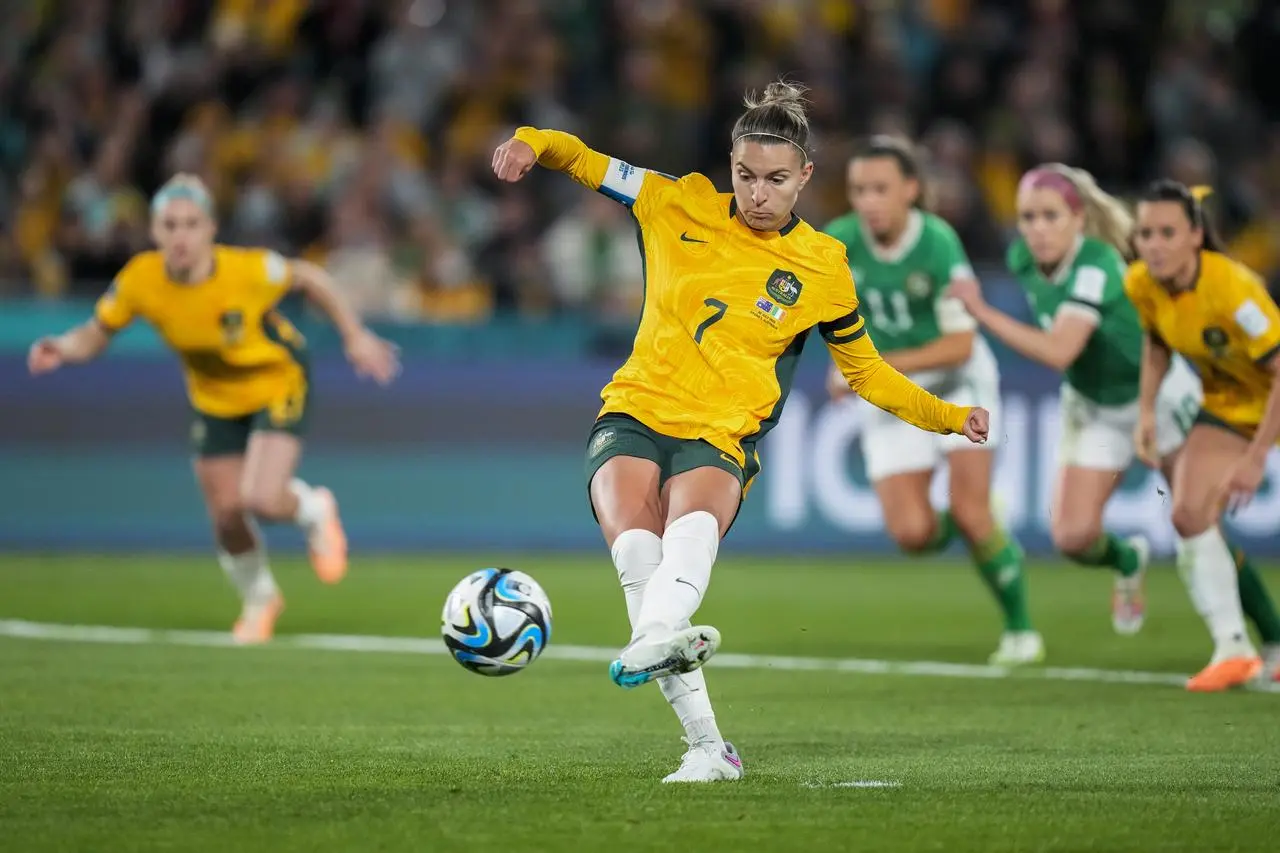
[900,287]
[1090,283]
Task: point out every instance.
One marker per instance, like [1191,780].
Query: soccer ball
[496,621]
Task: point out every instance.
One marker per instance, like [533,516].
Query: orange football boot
[1225,674]
[327,543]
[257,622]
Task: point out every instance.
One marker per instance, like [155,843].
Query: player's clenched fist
[977,425]
[44,357]
[512,160]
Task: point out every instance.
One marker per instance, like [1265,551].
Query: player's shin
[944,531]
[312,507]
[688,697]
[999,559]
[1110,551]
[1255,601]
[1207,568]
[250,574]
[636,555]
[689,548]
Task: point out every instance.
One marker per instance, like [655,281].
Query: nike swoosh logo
[685,238]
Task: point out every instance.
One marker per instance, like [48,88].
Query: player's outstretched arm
[1057,347]
[884,387]
[564,152]
[82,344]
[369,354]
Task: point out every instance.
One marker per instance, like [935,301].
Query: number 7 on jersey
[719,309]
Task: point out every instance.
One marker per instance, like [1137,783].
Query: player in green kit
[902,259]
[1070,260]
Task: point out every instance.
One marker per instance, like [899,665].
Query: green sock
[999,560]
[942,534]
[1254,599]
[1113,552]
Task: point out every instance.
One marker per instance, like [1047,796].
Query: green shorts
[1243,430]
[622,435]
[215,436]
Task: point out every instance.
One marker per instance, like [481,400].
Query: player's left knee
[1073,537]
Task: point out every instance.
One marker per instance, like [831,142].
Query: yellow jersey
[727,310]
[239,355]
[1227,325]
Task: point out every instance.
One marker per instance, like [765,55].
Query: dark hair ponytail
[1191,200]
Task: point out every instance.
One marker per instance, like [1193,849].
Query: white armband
[622,182]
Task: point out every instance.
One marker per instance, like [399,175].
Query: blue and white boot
[651,656]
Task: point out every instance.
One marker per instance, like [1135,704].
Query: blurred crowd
[358,132]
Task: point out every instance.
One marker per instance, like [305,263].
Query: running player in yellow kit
[246,376]
[1216,313]
[735,283]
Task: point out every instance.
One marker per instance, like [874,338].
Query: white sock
[250,574]
[689,549]
[689,699]
[636,556]
[1207,568]
[311,509]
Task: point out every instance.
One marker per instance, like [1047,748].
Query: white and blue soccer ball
[496,621]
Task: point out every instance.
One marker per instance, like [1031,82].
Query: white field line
[20,629]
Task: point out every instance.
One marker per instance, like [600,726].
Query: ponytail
[1191,200]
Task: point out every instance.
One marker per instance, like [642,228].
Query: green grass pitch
[189,747]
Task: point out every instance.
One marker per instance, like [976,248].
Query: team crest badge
[783,287]
[1215,340]
[918,285]
[232,323]
[602,440]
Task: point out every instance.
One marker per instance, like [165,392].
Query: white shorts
[1101,437]
[891,446]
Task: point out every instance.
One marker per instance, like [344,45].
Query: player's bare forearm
[566,153]
[317,285]
[1156,359]
[84,343]
[1269,429]
[1056,348]
[948,351]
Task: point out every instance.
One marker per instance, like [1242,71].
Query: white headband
[803,153]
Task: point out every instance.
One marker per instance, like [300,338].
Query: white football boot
[1128,596]
[654,655]
[708,761]
[1270,664]
[1018,648]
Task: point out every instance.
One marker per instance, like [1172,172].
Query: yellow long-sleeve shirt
[727,310]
